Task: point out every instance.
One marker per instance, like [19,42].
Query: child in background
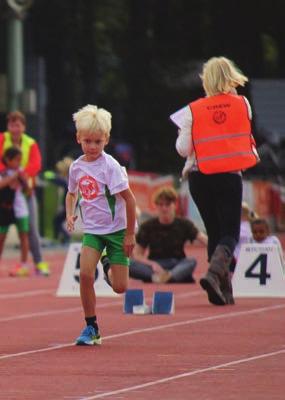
[108,213]
[247,215]
[13,206]
[261,234]
[60,179]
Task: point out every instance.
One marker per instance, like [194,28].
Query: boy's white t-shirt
[99,183]
[20,204]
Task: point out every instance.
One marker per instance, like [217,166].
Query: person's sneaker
[89,337]
[20,271]
[106,266]
[42,268]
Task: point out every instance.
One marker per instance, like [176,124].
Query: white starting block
[163,303]
[69,281]
[259,272]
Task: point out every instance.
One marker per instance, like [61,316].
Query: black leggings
[218,198]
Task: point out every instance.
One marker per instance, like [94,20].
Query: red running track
[201,352]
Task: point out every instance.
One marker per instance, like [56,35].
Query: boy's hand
[70,220]
[129,244]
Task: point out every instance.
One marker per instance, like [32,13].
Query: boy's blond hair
[93,119]
[220,75]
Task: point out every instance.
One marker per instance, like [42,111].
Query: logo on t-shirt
[88,187]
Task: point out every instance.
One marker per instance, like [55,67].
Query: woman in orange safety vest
[215,134]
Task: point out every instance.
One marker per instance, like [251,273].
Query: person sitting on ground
[159,252]
[261,234]
[13,206]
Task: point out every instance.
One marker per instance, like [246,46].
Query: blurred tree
[141,60]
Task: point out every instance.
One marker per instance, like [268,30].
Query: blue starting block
[133,297]
[163,303]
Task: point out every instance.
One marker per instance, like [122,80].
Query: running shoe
[42,268]
[20,271]
[89,337]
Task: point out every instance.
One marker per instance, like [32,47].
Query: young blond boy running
[108,212]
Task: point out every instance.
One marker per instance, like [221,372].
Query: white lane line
[154,328]
[53,312]
[68,310]
[40,314]
[4,296]
[184,375]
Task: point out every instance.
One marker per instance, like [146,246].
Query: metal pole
[15,63]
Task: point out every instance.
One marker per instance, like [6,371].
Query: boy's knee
[86,277]
[119,288]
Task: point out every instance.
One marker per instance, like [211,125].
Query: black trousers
[218,198]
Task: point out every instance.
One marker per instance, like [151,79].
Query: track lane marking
[153,328]
[29,293]
[184,375]
[68,310]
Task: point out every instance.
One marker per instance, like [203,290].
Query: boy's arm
[70,204]
[7,180]
[129,241]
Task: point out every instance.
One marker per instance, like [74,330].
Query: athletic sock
[92,321]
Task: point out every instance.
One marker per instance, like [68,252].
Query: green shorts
[113,243]
[21,223]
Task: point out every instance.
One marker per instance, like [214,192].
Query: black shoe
[210,283]
[227,289]
[106,266]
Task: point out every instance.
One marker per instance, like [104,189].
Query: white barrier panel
[259,272]
[69,281]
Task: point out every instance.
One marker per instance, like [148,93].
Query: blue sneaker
[89,337]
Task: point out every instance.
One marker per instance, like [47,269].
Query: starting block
[163,303]
[133,297]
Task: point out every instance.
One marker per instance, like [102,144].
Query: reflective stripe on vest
[26,143]
[221,134]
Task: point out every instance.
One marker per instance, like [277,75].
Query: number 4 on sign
[252,271]
[259,272]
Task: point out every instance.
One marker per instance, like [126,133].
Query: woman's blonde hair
[93,119]
[220,75]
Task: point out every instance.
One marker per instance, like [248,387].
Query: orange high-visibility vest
[221,134]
